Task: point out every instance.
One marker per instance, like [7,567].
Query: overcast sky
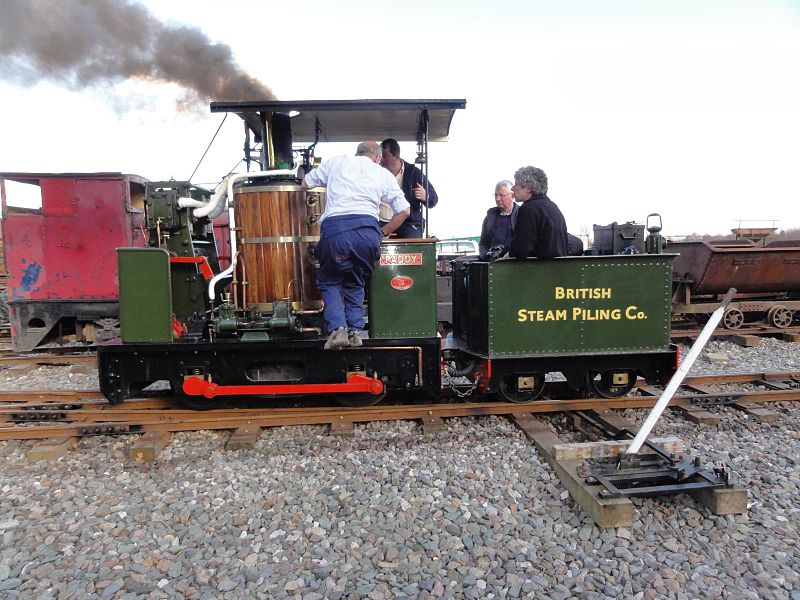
[687,108]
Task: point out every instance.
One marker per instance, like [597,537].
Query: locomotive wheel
[509,392]
[733,318]
[359,400]
[200,403]
[780,316]
[603,383]
[197,402]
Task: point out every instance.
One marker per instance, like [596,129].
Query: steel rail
[758,330]
[382,413]
[120,420]
[50,359]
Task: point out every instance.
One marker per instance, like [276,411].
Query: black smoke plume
[85,43]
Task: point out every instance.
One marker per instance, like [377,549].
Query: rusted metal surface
[713,269]
[83,218]
[50,359]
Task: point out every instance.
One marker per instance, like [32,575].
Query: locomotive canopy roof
[351,120]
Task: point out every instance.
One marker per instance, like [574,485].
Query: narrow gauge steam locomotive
[256,329]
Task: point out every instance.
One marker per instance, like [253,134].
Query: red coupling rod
[197,386]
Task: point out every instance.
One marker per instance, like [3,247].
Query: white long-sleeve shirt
[356,186]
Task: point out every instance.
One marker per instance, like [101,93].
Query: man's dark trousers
[348,249]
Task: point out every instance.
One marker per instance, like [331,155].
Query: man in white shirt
[350,235]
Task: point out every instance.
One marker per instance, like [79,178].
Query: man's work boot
[337,339]
[355,339]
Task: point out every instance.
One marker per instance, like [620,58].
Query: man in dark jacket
[415,186]
[541,229]
[500,222]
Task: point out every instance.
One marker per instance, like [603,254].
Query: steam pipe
[213,205]
[190,203]
[223,274]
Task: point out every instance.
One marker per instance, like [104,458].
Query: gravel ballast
[472,512]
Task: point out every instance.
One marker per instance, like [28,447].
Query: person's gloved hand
[495,252]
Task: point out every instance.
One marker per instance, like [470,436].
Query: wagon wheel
[359,400]
[733,318]
[610,384]
[508,391]
[780,316]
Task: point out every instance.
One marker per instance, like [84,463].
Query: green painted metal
[189,294]
[145,296]
[402,297]
[574,305]
[173,229]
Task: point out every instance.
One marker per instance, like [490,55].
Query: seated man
[415,186]
[350,237]
[499,223]
[541,229]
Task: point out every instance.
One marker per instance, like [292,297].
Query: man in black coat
[499,223]
[541,229]
[415,186]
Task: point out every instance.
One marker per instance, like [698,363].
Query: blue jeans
[346,262]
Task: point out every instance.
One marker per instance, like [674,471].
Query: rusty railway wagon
[767,279]
[255,329]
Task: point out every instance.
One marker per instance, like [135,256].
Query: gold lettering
[521,315]
[562,293]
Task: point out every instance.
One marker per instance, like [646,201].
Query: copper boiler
[277,228]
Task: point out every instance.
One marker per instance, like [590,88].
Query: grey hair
[532,178]
[504,182]
[369,148]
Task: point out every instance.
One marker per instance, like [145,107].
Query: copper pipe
[314,311]
[245,283]
[234,283]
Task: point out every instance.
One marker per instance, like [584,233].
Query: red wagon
[60,252]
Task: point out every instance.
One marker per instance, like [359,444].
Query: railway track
[74,414]
[790,334]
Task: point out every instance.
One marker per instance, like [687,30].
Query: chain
[461,394]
